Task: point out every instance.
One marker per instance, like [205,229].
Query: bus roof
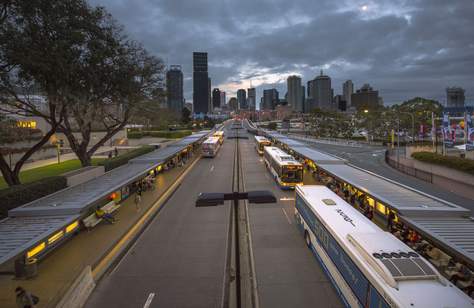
[281,157]
[413,282]
[261,139]
[211,140]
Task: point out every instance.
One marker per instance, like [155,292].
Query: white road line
[287,199]
[148,300]
[212,168]
[286,215]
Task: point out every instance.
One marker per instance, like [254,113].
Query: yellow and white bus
[286,170]
[260,143]
[210,147]
[219,134]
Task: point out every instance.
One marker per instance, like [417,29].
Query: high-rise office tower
[270,99]
[242,99]
[223,102]
[251,98]
[365,98]
[201,84]
[209,94]
[233,103]
[455,97]
[216,98]
[174,88]
[322,92]
[347,90]
[294,95]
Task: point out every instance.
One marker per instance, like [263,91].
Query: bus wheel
[307,239]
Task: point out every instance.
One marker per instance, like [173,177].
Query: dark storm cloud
[403,48]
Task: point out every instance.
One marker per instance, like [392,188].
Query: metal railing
[420,174]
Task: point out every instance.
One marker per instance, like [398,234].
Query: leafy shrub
[458,163]
[120,160]
[17,195]
[160,134]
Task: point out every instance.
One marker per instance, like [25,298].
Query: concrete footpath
[57,271]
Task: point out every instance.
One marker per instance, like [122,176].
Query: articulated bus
[219,134]
[286,171]
[210,147]
[260,143]
[368,266]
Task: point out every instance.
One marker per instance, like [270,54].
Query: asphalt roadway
[179,260]
[372,158]
[288,275]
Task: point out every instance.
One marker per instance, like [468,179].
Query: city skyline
[384,43]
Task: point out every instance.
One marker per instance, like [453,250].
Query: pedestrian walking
[116,151]
[25,299]
[138,200]
[390,220]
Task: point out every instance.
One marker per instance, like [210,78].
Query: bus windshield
[292,176]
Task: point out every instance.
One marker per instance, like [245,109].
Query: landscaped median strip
[132,234]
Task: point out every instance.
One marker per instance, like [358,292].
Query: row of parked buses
[286,170]
[212,144]
[368,266]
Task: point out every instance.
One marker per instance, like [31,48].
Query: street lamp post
[214,199]
[412,123]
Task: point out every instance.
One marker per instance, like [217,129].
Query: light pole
[214,199]
[412,123]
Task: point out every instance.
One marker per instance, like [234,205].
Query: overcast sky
[402,48]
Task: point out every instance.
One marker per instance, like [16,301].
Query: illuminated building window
[26,124]
[72,226]
[33,252]
[381,208]
[55,237]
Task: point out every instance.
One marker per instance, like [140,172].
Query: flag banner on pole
[433,129]
[470,132]
[447,136]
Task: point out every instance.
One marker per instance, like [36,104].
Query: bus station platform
[443,224]
[34,230]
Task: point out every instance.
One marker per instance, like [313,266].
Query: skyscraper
[322,92]
[209,95]
[216,98]
[223,99]
[174,88]
[455,97]
[242,99]
[294,95]
[201,83]
[347,90]
[270,99]
[365,98]
[251,98]
[233,103]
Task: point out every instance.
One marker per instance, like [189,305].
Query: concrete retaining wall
[79,291]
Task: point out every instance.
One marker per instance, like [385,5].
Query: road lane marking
[286,215]
[287,199]
[212,168]
[148,300]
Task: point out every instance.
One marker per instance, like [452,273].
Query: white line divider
[148,300]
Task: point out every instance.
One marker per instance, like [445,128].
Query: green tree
[185,115]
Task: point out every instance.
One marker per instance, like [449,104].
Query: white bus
[368,266]
[210,147]
[219,134]
[260,143]
[286,171]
